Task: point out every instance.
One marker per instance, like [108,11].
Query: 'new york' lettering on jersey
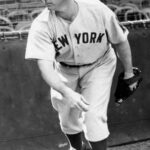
[85,38]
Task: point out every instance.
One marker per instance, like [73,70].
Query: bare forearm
[124,54]
[51,76]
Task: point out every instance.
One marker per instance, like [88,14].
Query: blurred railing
[23,33]
[138,3]
[16,18]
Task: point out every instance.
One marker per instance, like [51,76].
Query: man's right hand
[75,100]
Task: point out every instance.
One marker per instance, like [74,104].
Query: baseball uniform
[83,43]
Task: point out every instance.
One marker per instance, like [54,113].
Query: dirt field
[137,146]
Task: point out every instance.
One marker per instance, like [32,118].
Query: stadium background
[27,120]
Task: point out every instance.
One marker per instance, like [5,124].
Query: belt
[83,65]
[74,66]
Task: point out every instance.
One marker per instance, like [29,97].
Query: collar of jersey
[44,15]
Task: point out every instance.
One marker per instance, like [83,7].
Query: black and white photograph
[74,74]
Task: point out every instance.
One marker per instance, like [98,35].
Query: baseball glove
[123,90]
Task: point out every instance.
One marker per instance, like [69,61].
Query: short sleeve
[39,44]
[116,32]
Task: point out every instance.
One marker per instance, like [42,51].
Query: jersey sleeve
[39,44]
[116,32]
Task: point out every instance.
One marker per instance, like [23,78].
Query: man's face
[53,4]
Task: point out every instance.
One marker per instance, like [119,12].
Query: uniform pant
[94,83]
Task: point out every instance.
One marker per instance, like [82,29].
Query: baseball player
[71,41]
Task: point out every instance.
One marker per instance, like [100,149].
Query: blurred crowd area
[18,14]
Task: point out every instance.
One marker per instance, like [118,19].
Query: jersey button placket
[76,53]
[74,46]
